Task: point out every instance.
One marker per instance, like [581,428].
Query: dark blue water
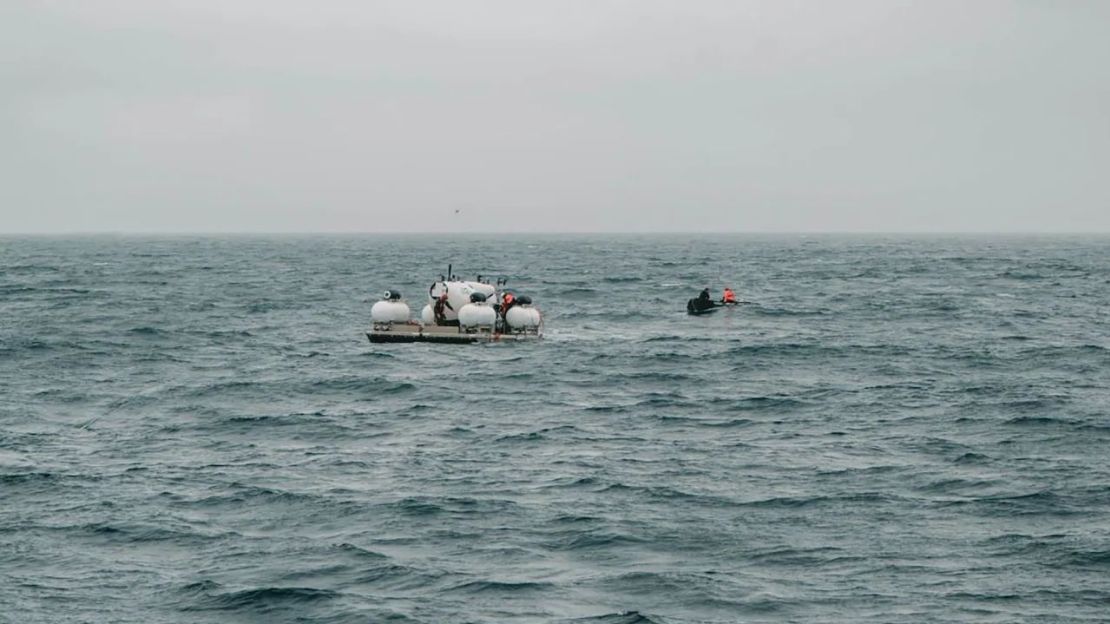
[895,430]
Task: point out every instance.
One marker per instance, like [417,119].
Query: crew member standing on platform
[441,303]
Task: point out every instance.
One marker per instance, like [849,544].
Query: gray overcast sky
[590,115]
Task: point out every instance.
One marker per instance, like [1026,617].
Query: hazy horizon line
[467,233]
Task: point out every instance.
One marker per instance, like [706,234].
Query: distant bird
[456,211]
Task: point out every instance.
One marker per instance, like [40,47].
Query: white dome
[477,315]
[522,316]
[390,312]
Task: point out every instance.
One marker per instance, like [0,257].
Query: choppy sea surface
[894,429]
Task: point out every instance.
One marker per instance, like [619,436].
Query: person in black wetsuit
[703,302]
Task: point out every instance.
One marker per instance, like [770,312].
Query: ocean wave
[358,552]
[1043,502]
[237,495]
[1037,421]
[593,539]
[279,420]
[363,386]
[502,587]
[804,557]
[664,400]
[799,502]
[618,617]
[760,310]
[265,307]
[138,533]
[433,505]
[574,292]
[260,599]
[14,478]
[539,434]
[972,458]
[960,485]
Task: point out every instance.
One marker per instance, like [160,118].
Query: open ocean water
[896,429]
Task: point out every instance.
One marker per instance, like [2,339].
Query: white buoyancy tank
[522,316]
[477,315]
[390,312]
[428,315]
[458,295]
